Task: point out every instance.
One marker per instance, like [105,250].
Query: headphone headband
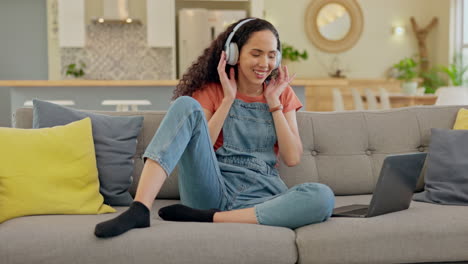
[228,41]
[232,51]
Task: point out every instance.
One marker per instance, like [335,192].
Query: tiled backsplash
[119,52]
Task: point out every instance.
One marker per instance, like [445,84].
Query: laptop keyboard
[362,211]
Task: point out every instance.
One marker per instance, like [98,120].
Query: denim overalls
[241,173]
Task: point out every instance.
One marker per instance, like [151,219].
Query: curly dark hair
[204,69]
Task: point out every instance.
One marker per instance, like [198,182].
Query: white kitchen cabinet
[161,23]
[256,8]
[71,18]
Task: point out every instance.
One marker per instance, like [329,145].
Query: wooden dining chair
[357,99]
[338,104]
[371,99]
[384,98]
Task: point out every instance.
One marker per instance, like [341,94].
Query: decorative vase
[409,88]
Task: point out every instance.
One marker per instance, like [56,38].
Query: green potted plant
[289,54]
[407,73]
[432,80]
[73,70]
[456,70]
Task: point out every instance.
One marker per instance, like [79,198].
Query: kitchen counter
[133,83]
[314,93]
[84,83]
[91,94]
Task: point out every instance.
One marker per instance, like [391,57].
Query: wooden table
[403,100]
[320,98]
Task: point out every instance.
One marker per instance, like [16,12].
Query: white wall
[377,49]
[375,52]
[439,39]
[23,47]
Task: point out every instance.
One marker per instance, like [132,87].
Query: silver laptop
[394,190]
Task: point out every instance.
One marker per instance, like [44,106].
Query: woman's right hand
[229,83]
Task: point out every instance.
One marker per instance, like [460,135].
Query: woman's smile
[261,74]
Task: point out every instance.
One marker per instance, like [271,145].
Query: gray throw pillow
[114,142]
[447,168]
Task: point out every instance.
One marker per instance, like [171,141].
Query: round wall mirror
[333,25]
[333,22]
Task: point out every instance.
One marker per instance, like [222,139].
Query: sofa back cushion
[24,116]
[114,141]
[344,150]
[49,171]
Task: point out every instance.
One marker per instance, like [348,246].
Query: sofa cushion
[345,150]
[71,238]
[49,171]
[23,119]
[461,122]
[447,168]
[462,119]
[359,150]
[114,140]
[423,233]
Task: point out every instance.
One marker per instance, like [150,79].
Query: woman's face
[257,57]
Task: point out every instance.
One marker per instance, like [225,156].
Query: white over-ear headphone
[232,51]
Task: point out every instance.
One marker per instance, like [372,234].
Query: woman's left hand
[276,86]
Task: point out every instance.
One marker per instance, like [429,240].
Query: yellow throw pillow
[49,171]
[462,119]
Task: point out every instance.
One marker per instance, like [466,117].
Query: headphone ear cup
[278,59]
[226,52]
[232,54]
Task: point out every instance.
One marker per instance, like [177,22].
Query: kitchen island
[89,94]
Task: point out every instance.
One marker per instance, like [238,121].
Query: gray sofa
[343,150]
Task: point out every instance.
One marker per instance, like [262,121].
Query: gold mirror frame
[334,46]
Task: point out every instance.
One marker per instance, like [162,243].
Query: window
[463,29]
[459,43]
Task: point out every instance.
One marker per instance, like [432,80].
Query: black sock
[137,216]
[179,212]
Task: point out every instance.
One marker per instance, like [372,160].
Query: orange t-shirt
[212,95]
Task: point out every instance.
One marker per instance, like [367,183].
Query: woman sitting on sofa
[237,96]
